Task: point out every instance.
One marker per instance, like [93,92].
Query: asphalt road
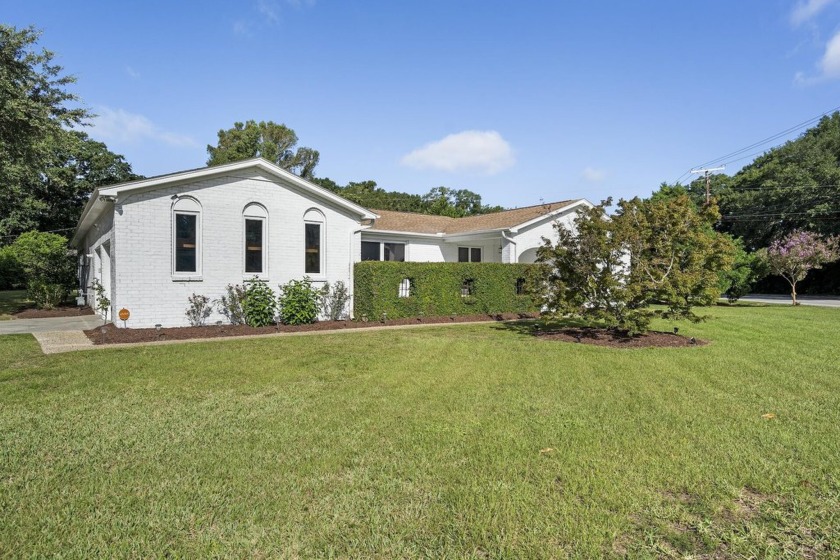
[820,301]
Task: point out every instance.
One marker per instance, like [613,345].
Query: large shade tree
[47,168]
[269,140]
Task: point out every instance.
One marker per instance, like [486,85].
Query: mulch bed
[60,311]
[114,335]
[620,339]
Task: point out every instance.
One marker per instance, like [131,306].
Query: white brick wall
[142,243]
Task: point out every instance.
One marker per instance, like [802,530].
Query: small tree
[47,263]
[799,252]
[585,275]
[656,251]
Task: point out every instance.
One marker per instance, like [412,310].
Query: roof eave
[538,219]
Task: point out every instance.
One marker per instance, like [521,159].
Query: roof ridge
[412,213]
[543,204]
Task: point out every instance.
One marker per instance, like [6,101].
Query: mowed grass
[464,441]
[12,301]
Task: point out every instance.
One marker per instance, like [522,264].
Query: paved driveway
[821,301]
[28,326]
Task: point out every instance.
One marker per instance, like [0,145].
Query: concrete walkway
[56,342]
[30,326]
[820,301]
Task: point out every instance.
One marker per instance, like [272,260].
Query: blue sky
[518,101]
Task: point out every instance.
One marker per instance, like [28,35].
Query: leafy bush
[259,305]
[747,269]
[44,257]
[298,302]
[334,300]
[230,304]
[436,289]
[46,296]
[198,310]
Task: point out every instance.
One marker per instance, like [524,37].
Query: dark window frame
[178,245]
[249,250]
[318,249]
[470,253]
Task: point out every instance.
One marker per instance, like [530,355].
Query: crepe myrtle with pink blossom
[799,252]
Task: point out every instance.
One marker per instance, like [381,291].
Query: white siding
[531,237]
[143,236]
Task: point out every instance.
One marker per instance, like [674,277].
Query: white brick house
[152,243]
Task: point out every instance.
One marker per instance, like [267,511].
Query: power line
[761,143]
[50,231]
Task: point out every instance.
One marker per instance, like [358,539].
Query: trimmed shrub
[298,302]
[198,310]
[46,296]
[230,304]
[259,306]
[439,289]
[334,300]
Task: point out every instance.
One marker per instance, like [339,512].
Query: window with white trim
[394,252]
[371,251]
[469,254]
[186,237]
[313,242]
[406,287]
[376,251]
[255,220]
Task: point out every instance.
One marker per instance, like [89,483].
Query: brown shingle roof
[411,222]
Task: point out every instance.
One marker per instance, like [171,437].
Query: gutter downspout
[513,253]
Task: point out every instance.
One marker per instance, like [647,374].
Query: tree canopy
[47,168]
[662,251]
[441,201]
[269,140]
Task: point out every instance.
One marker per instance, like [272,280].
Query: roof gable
[102,196]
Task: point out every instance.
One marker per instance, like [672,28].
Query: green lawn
[11,301]
[427,443]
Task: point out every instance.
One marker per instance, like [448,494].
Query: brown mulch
[620,339]
[60,311]
[114,335]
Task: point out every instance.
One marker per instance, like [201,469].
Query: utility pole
[707,173]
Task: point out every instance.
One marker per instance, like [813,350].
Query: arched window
[186,237]
[255,225]
[313,229]
[406,287]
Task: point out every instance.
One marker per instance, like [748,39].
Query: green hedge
[435,289]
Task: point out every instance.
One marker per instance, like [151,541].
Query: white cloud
[132,73]
[830,62]
[484,151]
[592,175]
[806,10]
[828,66]
[122,126]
